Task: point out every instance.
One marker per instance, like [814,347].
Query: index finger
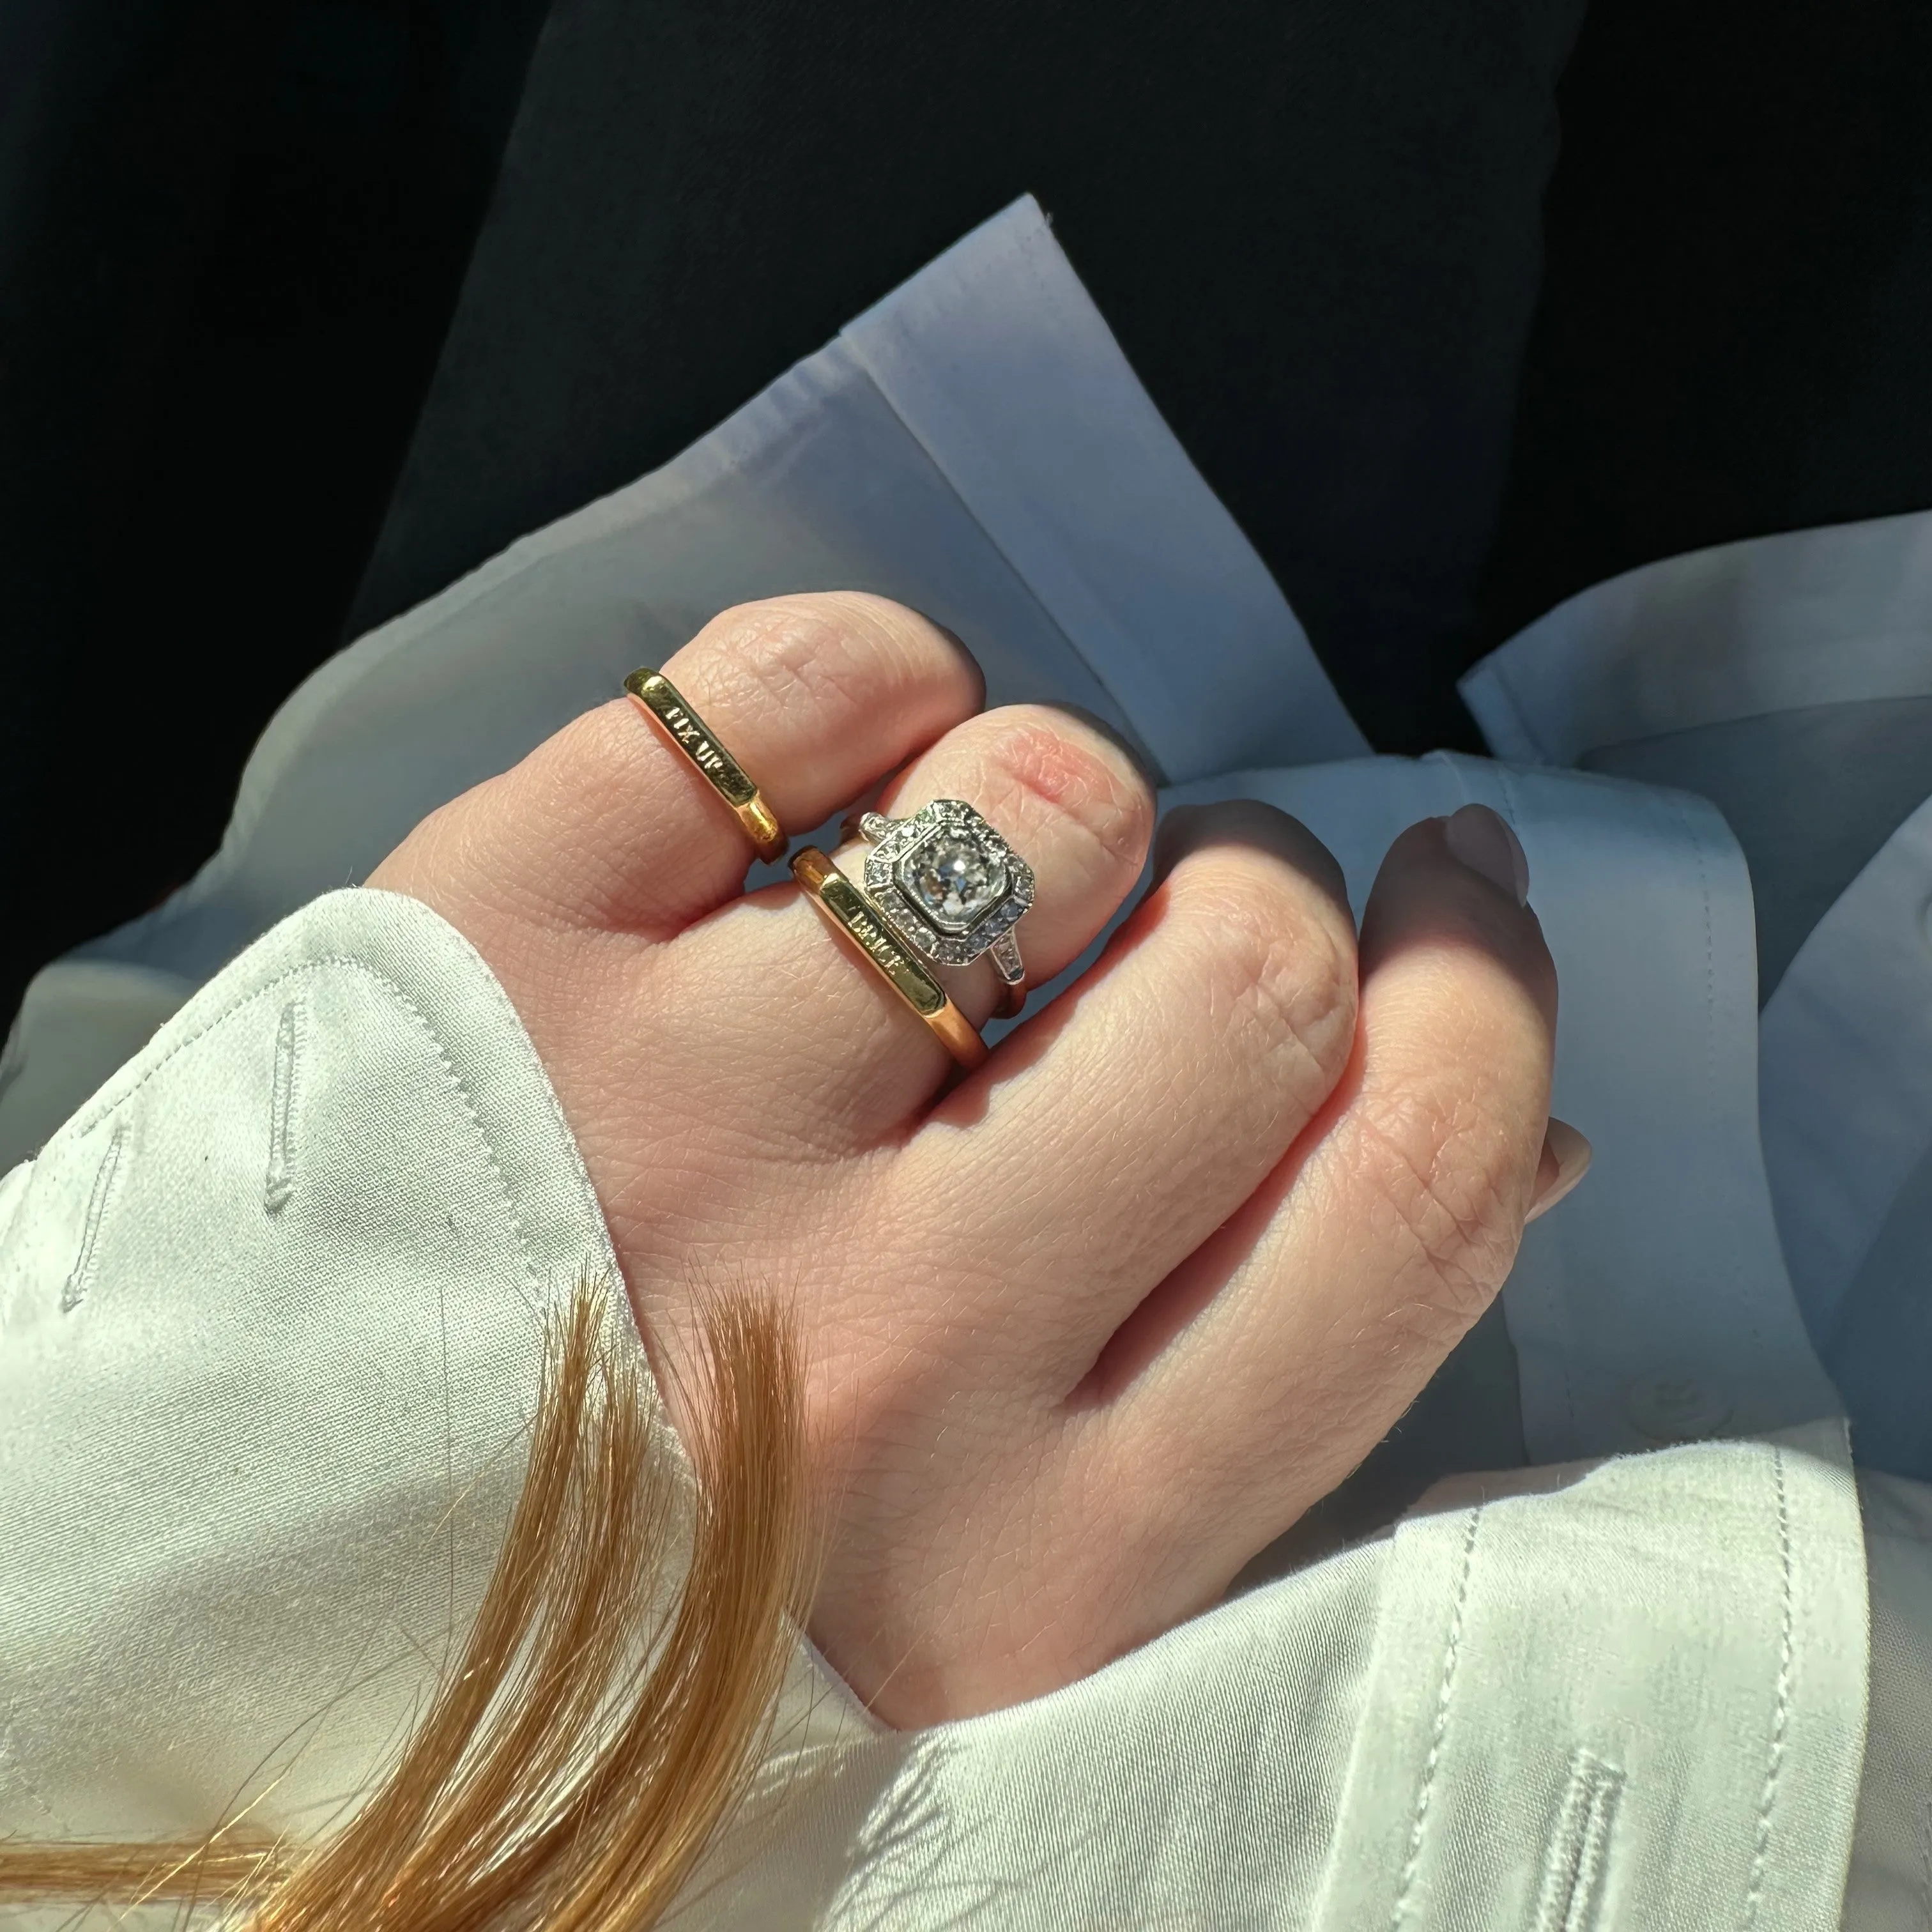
[817,698]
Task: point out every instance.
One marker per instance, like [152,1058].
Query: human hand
[1091,1327]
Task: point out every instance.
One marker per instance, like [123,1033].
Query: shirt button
[1675,1408]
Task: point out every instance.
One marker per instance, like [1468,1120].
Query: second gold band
[864,928]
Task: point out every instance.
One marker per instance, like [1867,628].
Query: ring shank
[1005,955]
[859,924]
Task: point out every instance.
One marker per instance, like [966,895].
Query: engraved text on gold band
[861,925]
[658,698]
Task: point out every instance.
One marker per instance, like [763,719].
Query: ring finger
[1069,801]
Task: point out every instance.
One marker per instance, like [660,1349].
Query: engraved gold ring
[942,888]
[659,701]
[857,921]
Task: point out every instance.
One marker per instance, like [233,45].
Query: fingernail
[1566,1159]
[1483,841]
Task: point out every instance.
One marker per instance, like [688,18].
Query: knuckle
[842,653]
[1443,1164]
[1281,968]
[771,657]
[1039,758]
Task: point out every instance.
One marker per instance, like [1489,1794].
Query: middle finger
[1082,1165]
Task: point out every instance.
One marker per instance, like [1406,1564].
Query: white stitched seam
[1573,1867]
[1781,1714]
[279,1187]
[1925,1865]
[80,1276]
[1440,1726]
[456,1084]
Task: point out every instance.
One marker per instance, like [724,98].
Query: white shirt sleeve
[270,1330]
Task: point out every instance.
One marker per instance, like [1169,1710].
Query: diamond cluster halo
[950,882]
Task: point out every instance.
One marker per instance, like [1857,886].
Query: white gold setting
[950,884]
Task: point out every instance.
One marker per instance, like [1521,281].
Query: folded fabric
[1788,679]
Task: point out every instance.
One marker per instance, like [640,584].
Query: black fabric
[1314,227]
[1735,332]
[231,235]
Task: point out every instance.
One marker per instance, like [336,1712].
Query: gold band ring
[658,698]
[866,931]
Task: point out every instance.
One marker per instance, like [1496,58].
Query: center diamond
[952,879]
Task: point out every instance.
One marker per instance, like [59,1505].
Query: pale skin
[1090,1327]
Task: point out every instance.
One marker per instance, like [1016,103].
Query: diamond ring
[953,886]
